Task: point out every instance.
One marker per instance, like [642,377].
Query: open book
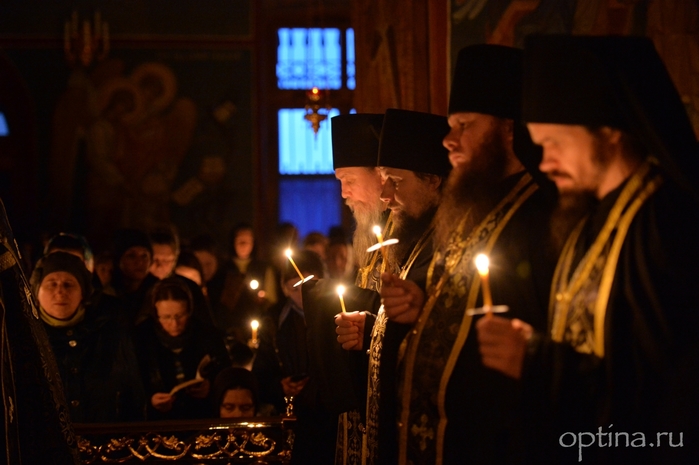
[197,379]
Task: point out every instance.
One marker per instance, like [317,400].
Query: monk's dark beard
[571,208]
[364,237]
[473,189]
[408,231]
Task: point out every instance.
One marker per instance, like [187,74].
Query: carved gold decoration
[234,443]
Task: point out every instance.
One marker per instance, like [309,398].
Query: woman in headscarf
[96,361]
[175,348]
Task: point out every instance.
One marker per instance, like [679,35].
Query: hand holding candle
[340,293]
[483,264]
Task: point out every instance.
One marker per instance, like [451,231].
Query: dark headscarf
[62,261]
[172,288]
[411,140]
[619,82]
[355,140]
[234,378]
[68,241]
[124,239]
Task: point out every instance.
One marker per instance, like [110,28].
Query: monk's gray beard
[472,192]
[364,237]
[571,209]
[408,231]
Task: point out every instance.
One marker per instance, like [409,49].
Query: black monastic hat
[355,139]
[613,81]
[411,140]
[487,79]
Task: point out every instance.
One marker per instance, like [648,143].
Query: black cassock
[339,378]
[646,380]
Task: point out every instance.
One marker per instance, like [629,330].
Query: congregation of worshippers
[518,286]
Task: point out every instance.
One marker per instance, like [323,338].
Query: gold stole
[350,431]
[371,445]
[435,343]
[578,303]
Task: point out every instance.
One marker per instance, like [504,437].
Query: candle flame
[377,230]
[254,324]
[482,264]
[254,284]
[287,252]
[340,290]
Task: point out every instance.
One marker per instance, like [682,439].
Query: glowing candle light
[288,255]
[379,236]
[381,243]
[254,324]
[482,264]
[340,293]
[254,284]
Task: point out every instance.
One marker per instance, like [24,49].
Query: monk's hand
[350,329]
[402,300]
[503,344]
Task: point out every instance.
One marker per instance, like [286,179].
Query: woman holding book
[178,355]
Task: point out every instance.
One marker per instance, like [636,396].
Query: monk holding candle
[413,165]
[619,358]
[453,409]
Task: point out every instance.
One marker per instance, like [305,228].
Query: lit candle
[482,264]
[380,244]
[254,284]
[379,236]
[288,255]
[254,324]
[340,293]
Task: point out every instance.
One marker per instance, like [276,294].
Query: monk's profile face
[573,157]
[468,135]
[407,195]
[361,187]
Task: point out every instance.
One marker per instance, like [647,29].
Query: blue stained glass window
[301,151]
[351,81]
[309,57]
[311,204]
[4,130]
